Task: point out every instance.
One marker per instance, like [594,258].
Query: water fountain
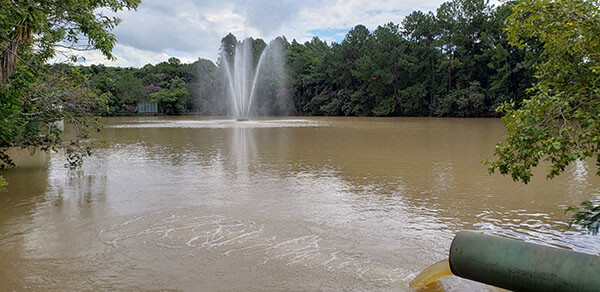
[242,77]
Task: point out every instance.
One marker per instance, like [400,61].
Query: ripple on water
[182,229]
[536,228]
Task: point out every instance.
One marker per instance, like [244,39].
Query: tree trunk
[8,58]
[431,92]
[397,97]
[450,73]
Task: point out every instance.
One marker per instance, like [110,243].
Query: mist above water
[254,73]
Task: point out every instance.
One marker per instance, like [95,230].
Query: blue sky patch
[330,34]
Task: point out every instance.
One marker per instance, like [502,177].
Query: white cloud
[189,29]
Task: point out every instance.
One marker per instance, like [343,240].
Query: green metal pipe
[522,266]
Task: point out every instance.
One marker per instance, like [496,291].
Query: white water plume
[242,77]
[243,73]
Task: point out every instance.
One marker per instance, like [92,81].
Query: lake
[207,204]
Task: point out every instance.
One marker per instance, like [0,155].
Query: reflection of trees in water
[85,191]
[27,182]
[24,195]
[429,163]
[46,204]
[175,146]
[74,199]
[28,158]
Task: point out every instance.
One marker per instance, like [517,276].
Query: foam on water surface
[185,230]
[221,124]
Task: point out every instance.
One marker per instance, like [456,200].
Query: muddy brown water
[287,204]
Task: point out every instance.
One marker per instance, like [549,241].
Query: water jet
[431,274]
[242,76]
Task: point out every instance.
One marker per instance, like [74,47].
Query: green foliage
[560,122]
[469,102]
[52,25]
[587,215]
[427,66]
[129,89]
[455,62]
[3,183]
[55,98]
[170,101]
[35,98]
[201,88]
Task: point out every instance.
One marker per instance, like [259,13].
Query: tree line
[454,62]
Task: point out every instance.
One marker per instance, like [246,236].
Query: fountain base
[242,119]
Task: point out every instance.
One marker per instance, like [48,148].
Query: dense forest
[455,62]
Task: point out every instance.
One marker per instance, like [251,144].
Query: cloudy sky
[192,29]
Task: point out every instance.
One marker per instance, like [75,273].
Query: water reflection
[329,204]
[243,152]
[18,204]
